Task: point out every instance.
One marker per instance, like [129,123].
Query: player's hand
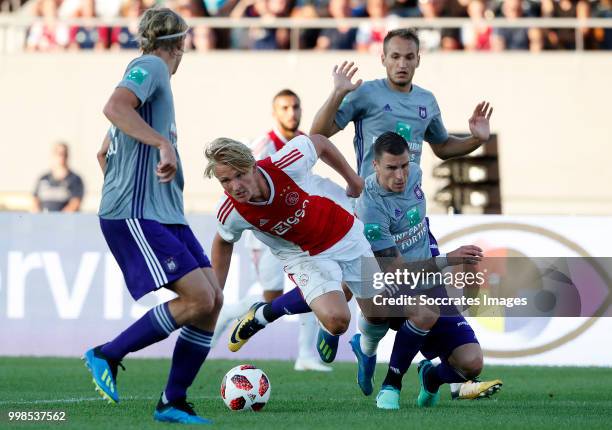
[479,121]
[343,75]
[166,168]
[469,254]
[355,187]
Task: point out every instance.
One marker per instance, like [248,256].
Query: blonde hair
[224,150]
[160,23]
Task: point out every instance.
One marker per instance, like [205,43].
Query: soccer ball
[245,388]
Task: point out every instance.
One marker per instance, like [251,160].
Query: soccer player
[286,113]
[393,209]
[310,228]
[142,220]
[395,104]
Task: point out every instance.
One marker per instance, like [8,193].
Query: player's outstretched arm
[329,153]
[221,255]
[480,129]
[121,111]
[324,121]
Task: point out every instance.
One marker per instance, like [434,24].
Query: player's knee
[337,324]
[472,365]
[203,305]
[218,301]
[424,320]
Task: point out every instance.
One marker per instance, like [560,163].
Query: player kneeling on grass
[393,209]
[319,241]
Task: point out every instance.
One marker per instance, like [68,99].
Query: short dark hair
[404,33]
[285,93]
[389,142]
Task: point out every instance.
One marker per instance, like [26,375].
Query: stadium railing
[13,29]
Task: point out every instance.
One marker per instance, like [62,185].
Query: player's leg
[327,343]
[140,247]
[197,319]
[410,337]
[454,341]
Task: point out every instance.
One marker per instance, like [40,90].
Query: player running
[142,219]
[309,228]
[393,209]
[286,113]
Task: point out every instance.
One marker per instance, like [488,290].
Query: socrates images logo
[505,336]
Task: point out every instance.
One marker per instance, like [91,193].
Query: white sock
[307,335]
[371,334]
[259,316]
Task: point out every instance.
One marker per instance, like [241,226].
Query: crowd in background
[50,34]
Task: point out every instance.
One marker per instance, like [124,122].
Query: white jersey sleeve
[296,158]
[262,147]
[230,224]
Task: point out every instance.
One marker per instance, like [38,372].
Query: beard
[290,127]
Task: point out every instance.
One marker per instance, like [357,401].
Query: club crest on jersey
[422,112]
[413,216]
[303,280]
[292,198]
[398,213]
[418,192]
[171,265]
[372,231]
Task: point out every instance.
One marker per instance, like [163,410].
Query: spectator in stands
[565,38]
[435,38]
[342,37]
[47,35]
[125,37]
[60,189]
[476,36]
[264,38]
[86,36]
[516,38]
[370,35]
[405,8]
[604,36]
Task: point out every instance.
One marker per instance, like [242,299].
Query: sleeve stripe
[287,163]
[225,209]
[285,157]
[226,213]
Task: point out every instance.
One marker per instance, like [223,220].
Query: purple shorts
[433,243]
[448,333]
[152,255]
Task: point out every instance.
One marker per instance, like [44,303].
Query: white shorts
[317,276]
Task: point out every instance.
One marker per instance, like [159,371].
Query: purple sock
[408,342]
[443,373]
[155,325]
[192,347]
[290,303]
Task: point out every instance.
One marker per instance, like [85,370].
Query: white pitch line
[86,399]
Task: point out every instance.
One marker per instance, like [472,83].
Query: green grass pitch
[532,398]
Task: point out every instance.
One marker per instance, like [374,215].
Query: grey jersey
[131,187]
[376,108]
[396,219]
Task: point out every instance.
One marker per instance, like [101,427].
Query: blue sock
[408,342]
[290,303]
[155,325]
[192,347]
[443,373]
